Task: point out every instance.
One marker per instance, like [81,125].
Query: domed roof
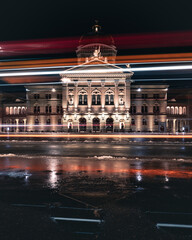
[96,36]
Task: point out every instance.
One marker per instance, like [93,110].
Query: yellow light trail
[170,57]
[186,136]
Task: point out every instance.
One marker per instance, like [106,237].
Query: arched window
[168,110]
[15,110]
[82,124]
[180,110]
[36,109]
[48,109]
[109,124]
[96,124]
[144,121]
[59,109]
[23,110]
[176,110]
[7,110]
[156,109]
[184,110]
[109,97]
[19,110]
[82,97]
[172,110]
[144,109]
[11,110]
[133,109]
[96,97]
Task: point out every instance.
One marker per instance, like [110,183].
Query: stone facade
[94,96]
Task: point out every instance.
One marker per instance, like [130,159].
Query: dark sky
[48,19]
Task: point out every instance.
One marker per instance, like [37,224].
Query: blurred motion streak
[151,58]
[69,44]
[41,135]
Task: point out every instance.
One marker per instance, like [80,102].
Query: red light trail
[69,44]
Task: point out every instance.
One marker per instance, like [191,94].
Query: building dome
[96,36]
[96,39]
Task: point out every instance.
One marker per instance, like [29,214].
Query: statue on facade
[97,52]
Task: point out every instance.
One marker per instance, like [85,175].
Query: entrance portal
[82,124]
[96,124]
[109,124]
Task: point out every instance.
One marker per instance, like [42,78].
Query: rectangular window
[156,96]
[80,99]
[144,109]
[144,96]
[107,99]
[156,122]
[133,96]
[36,96]
[85,99]
[93,99]
[48,96]
[98,99]
[144,122]
[59,96]
[111,99]
[48,121]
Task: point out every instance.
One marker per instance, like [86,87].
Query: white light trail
[97,71]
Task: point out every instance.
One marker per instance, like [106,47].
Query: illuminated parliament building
[94,96]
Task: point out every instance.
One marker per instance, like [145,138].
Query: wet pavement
[150,183]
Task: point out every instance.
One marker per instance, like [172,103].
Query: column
[116,104]
[25,123]
[75,117]
[64,104]
[17,125]
[102,120]
[127,104]
[174,120]
[89,101]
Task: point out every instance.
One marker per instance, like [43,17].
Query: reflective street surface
[142,184]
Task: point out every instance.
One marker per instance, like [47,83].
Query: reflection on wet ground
[149,178]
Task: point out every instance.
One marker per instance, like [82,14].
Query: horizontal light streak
[127,136]
[60,83]
[98,71]
[132,59]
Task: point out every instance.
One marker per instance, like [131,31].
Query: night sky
[49,19]
[23,20]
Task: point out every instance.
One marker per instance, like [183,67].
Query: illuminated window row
[175,110]
[15,110]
